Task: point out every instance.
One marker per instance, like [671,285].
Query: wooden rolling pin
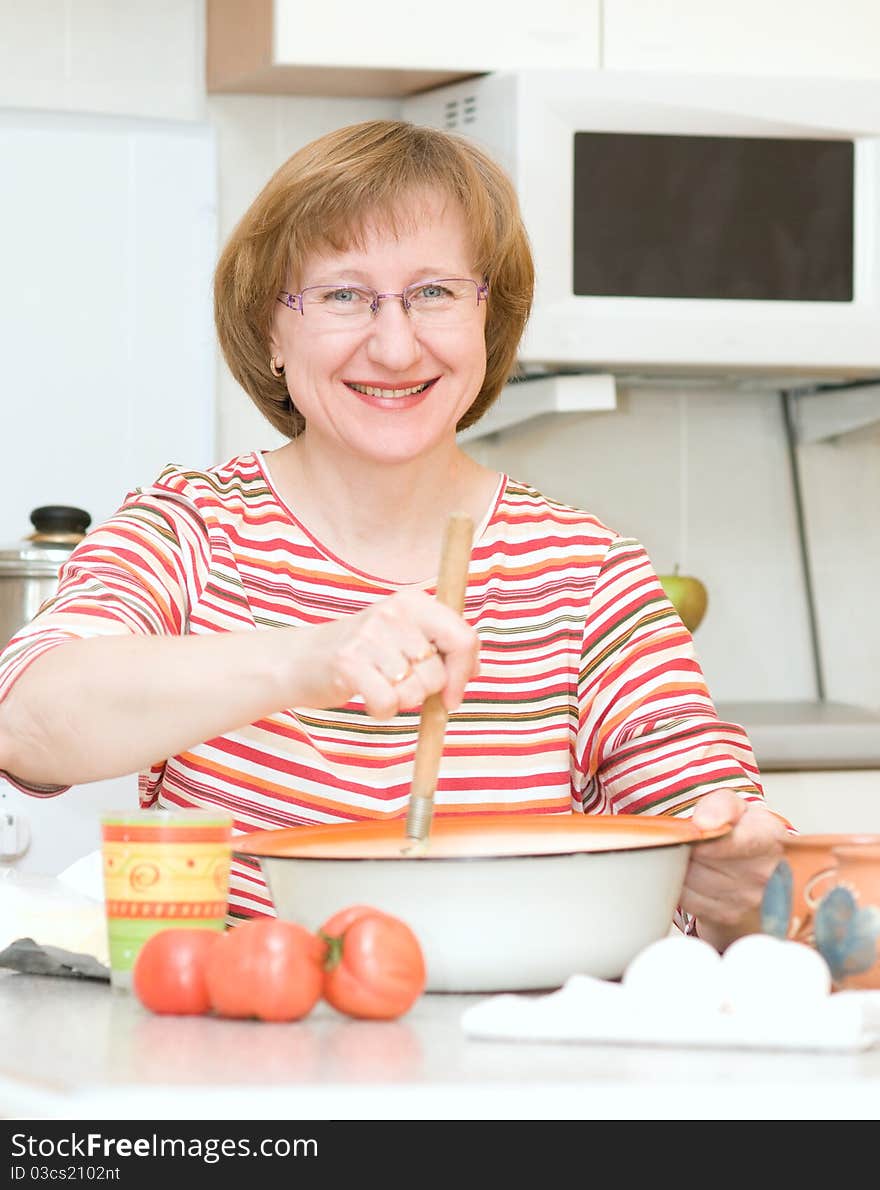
[451,587]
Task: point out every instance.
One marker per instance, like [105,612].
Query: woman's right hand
[393,654]
[199,686]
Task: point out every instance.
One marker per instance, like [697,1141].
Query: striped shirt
[589,698]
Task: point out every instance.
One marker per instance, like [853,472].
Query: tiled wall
[120,57]
[106,333]
[702,479]
[841,483]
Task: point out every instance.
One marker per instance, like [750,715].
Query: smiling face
[392,389]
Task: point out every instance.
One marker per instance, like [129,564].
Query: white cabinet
[748,37]
[390,47]
[105,307]
[393,48]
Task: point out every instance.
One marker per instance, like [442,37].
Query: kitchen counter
[80,1050]
[808,734]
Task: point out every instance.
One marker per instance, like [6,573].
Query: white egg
[676,973]
[766,975]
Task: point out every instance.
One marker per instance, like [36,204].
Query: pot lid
[57,529]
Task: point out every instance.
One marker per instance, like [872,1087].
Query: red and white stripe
[589,698]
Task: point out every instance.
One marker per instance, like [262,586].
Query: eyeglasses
[442,302]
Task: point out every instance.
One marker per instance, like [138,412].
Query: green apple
[687,595]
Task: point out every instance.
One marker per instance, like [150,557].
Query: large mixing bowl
[506,902]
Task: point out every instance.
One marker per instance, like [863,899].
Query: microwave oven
[688,224]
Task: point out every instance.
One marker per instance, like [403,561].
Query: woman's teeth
[388,394]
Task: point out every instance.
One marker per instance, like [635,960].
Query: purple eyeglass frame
[294,301]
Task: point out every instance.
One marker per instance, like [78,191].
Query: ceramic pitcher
[802,877]
[847,919]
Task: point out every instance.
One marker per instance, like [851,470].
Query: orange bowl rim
[651,832]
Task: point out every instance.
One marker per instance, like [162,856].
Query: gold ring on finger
[401,677]
[426,656]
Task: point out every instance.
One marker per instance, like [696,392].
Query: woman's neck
[385,519]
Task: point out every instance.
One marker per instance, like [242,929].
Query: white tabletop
[74,1049]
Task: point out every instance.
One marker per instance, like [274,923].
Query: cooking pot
[29,570]
[499,902]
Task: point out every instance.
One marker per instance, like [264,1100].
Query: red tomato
[169,971]
[374,966]
[266,968]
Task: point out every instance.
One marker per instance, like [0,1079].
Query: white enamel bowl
[506,902]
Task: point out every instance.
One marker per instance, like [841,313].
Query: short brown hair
[322,197]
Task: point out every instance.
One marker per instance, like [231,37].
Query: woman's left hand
[725,879]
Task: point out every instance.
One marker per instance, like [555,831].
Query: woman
[260,636]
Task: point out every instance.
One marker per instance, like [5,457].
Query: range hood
[818,410]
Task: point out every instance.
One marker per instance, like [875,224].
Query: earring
[274,369]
